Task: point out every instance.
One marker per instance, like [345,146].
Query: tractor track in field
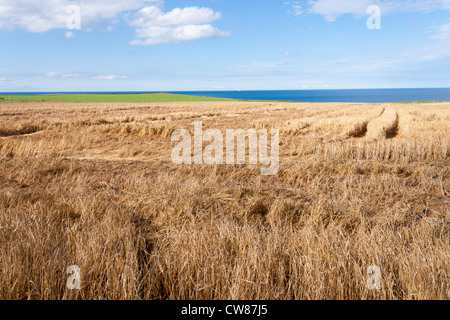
[386,126]
[360,129]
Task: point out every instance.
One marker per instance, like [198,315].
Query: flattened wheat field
[93,185]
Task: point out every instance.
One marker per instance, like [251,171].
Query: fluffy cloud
[44,15]
[70,35]
[60,75]
[332,9]
[192,23]
[153,25]
[109,77]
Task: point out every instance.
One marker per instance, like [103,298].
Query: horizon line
[218,90]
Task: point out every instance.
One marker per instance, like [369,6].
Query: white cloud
[153,25]
[9,84]
[70,35]
[52,74]
[294,7]
[192,23]
[414,5]
[332,9]
[443,32]
[109,77]
[432,52]
[70,75]
[60,75]
[437,50]
[44,15]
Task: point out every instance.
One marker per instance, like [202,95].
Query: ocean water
[353,95]
[357,95]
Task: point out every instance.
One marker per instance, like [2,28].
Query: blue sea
[354,95]
[357,95]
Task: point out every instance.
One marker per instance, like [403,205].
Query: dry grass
[93,185]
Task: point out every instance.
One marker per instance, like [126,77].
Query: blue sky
[170,45]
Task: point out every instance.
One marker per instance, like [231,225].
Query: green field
[138,97]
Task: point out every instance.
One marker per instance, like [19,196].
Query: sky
[199,45]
